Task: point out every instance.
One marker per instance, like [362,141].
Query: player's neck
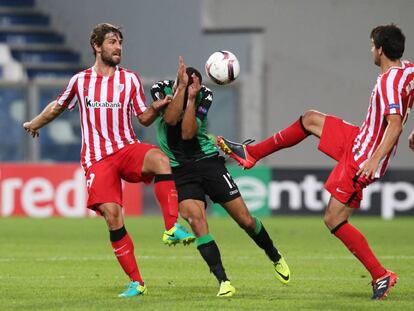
[387,64]
[103,69]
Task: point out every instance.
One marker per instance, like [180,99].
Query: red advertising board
[44,190]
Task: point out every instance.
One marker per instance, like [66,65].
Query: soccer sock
[123,248]
[211,254]
[355,241]
[166,194]
[263,240]
[288,137]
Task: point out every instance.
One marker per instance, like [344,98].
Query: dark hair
[391,39]
[190,71]
[99,32]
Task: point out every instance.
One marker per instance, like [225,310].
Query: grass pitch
[67,264]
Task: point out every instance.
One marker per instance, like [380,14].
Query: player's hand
[368,169]
[28,127]
[157,105]
[411,141]
[181,73]
[194,88]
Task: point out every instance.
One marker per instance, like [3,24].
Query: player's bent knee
[157,162]
[310,118]
[331,221]
[247,223]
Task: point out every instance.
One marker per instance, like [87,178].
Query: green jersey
[169,137]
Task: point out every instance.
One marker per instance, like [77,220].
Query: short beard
[107,60]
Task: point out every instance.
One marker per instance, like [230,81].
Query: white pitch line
[152,257]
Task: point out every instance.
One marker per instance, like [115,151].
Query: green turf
[67,264]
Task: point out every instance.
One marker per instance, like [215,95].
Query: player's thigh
[217,181]
[336,136]
[131,163]
[103,184]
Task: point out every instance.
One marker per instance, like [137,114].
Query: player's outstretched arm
[51,112]
[173,112]
[411,140]
[189,125]
[391,134]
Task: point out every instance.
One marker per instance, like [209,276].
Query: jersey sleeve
[390,93]
[205,103]
[161,89]
[137,96]
[67,98]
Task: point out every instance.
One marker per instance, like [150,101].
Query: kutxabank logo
[96,104]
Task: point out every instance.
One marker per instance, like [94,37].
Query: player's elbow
[170,121]
[144,121]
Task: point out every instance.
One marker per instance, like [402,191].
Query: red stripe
[141,91]
[109,113]
[397,79]
[121,100]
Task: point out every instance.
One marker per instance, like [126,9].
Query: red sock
[358,245]
[124,252]
[288,137]
[166,194]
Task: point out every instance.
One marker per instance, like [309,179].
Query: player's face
[376,53]
[111,49]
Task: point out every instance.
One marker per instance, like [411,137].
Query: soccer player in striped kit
[107,96]
[363,153]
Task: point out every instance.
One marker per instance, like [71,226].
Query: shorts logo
[234,192]
[340,191]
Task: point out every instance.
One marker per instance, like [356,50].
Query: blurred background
[295,55]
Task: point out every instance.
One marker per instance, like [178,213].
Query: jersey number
[229,180]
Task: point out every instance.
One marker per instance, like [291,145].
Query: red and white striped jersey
[105,105]
[393,94]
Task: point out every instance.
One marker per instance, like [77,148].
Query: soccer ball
[222,67]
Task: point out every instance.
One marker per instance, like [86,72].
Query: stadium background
[294,55]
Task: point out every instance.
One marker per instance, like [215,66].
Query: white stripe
[83,117]
[104,123]
[115,112]
[125,106]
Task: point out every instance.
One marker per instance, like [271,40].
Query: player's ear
[97,48]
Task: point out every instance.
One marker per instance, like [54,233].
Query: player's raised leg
[256,230]
[194,212]
[336,219]
[123,248]
[247,154]
[157,163]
